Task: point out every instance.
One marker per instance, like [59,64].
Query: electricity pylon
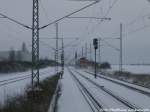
[56,51]
[35,44]
[35,38]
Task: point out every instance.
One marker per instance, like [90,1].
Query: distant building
[21,55]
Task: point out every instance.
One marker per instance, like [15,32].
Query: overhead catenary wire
[110,45]
[70,44]
[48,45]
[95,2]
[15,21]
[136,20]
[136,30]
[44,11]
[105,15]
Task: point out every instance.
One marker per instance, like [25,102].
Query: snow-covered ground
[134,68]
[106,100]
[18,87]
[71,100]
[130,95]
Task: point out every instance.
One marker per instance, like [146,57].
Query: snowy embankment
[125,84]
[132,96]
[17,88]
[144,69]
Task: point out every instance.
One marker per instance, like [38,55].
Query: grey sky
[136,45]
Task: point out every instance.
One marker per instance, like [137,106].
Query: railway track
[122,84]
[13,80]
[105,73]
[16,79]
[90,99]
[110,93]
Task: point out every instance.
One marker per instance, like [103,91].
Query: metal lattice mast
[86,50]
[76,58]
[90,52]
[99,50]
[35,44]
[62,56]
[82,51]
[120,67]
[56,51]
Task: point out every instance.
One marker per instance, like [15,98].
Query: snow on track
[132,96]
[138,69]
[71,99]
[108,101]
[141,89]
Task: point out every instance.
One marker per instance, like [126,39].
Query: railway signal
[95,44]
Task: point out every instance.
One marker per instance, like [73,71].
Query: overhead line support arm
[68,15]
[15,21]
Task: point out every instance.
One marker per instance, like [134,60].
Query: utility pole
[90,52]
[95,44]
[35,44]
[85,50]
[95,63]
[56,51]
[62,58]
[82,51]
[99,50]
[120,67]
[76,57]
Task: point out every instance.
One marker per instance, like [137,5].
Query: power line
[95,2]
[106,14]
[48,45]
[137,19]
[110,45]
[89,18]
[138,29]
[134,21]
[42,6]
[15,21]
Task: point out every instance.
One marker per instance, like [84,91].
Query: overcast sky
[132,13]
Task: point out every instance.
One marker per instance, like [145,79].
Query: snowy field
[17,88]
[134,68]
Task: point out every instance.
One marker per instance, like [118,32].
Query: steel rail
[95,103]
[16,79]
[122,84]
[120,99]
